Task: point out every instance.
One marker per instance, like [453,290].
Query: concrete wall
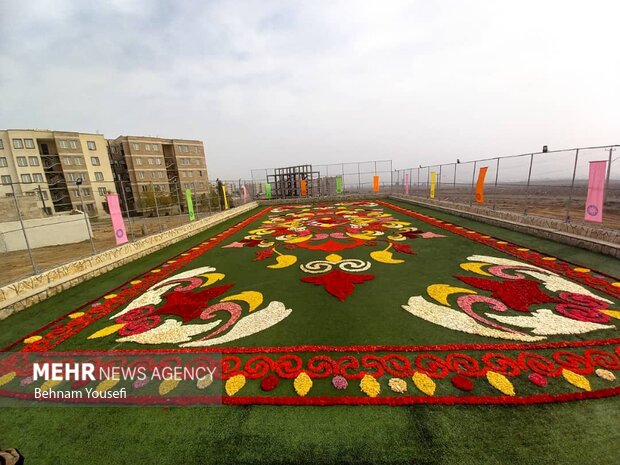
[29,207]
[43,232]
[34,289]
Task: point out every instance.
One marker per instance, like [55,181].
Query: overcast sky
[275,83]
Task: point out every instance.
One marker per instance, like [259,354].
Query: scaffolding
[286,182]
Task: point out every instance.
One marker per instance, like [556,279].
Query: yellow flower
[302,384]
[370,386]
[398,385]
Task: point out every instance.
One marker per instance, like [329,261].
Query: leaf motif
[106,331]
[576,379]
[364,237]
[107,384]
[501,383]
[234,384]
[385,256]
[440,292]
[50,384]
[252,298]
[263,254]
[284,261]
[370,386]
[297,240]
[168,385]
[424,383]
[302,384]
[212,278]
[475,267]
[204,382]
[405,248]
[7,378]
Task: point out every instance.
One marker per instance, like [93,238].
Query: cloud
[272,83]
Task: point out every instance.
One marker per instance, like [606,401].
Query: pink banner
[245,193]
[118,225]
[596,191]
[407,183]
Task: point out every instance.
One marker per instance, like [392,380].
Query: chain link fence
[40,230]
[551,184]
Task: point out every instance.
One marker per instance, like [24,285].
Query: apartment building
[144,165]
[50,164]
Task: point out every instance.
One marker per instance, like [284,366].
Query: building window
[34,161]
[44,195]
[1,145]
[26,178]
[112,149]
[78,161]
[63,144]
[98,175]
[29,143]
[158,161]
[71,176]
[91,145]
[95,161]
[103,191]
[190,174]
[195,149]
[6,180]
[18,144]
[200,173]
[37,177]
[90,207]
[160,174]
[86,192]
[141,175]
[155,147]
[147,147]
[3,161]
[138,161]
[153,174]
[135,146]
[21,161]
[73,144]
[145,188]
[66,161]
[150,160]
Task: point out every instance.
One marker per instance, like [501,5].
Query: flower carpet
[348,303]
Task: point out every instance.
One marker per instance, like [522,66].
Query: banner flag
[375,184]
[338,184]
[596,191]
[267,191]
[118,224]
[190,204]
[225,197]
[406,183]
[304,187]
[433,184]
[245,193]
[480,184]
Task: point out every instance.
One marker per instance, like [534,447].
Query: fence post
[156,207]
[90,235]
[495,188]
[454,181]
[359,178]
[473,179]
[391,177]
[133,238]
[527,192]
[439,179]
[21,221]
[611,149]
[572,186]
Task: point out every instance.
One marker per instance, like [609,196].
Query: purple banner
[596,191]
[118,225]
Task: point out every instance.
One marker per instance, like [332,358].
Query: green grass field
[577,432]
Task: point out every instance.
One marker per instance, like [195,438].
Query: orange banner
[375,184]
[480,185]
[304,187]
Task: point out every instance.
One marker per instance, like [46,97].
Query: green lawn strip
[26,321]
[596,261]
[577,433]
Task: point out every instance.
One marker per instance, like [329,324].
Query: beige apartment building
[49,165]
[148,166]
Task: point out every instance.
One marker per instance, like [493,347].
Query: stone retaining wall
[29,291]
[605,241]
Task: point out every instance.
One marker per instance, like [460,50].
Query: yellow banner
[433,183]
[480,185]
